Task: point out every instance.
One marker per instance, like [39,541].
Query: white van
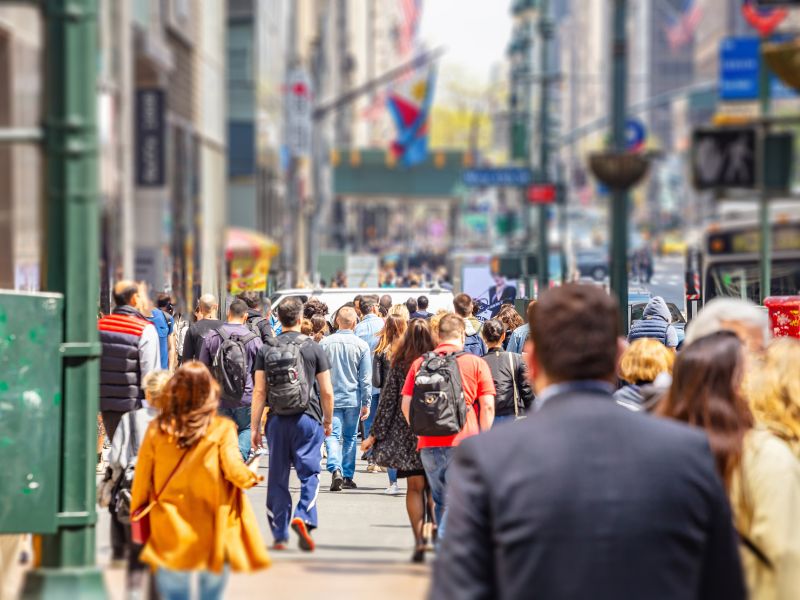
[335,298]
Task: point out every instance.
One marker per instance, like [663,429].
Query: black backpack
[230,366]
[289,389]
[437,406]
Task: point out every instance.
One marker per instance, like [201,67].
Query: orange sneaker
[306,542]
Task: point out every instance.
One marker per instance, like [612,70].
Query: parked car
[592,263]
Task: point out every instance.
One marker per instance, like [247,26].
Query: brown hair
[509,317]
[319,327]
[451,326]
[463,305]
[188,404]
[706,393]
[306,326]
[576,333]
[417,341]
[391,334]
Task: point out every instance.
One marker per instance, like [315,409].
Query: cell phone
[255,455]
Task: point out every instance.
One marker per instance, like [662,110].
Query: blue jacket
[351,369]
[518,338]
[369,330]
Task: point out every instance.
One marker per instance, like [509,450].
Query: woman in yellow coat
[201,521]
[759,470]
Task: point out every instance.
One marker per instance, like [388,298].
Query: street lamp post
[546,33]
[619,198]
[68,558]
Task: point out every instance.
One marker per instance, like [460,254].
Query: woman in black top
[391,439]
[514,395]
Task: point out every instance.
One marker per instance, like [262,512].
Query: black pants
[111,419]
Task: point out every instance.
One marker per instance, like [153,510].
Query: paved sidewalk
[364,546]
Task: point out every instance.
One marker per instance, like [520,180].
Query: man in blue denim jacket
[351,372]
[370,330]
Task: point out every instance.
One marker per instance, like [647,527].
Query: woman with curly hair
[391,439]
[774,392]
[189,482]
[510,319]
[759,471]
[314,306]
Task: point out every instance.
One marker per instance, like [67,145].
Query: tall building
[162,145]
[21,215]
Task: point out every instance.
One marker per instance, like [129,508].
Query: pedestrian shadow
[342,548]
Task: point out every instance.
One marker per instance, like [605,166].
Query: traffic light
[510,264]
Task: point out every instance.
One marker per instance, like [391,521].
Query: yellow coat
[765,497]
[203,520]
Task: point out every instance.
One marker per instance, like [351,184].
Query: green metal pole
[546,33]
[763,207]
[68,557]
[620,199]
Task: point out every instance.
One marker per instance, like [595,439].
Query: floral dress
[395,443]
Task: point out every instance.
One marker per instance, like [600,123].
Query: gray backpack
[289,390]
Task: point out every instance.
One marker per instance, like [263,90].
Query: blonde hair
[400,310]
[153,384]
[435,319]
[644,360]
[774,391]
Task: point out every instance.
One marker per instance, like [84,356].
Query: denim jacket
[351,369]
[369,330]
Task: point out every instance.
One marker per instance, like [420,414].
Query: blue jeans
[373,409]
[294,440]
[240,416]
[503,419]
[176,585]
[341,444]
[436,461]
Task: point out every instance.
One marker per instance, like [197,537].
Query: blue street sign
[503,176]
[739,68]
[635,134]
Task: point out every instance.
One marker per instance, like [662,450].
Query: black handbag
[378,370]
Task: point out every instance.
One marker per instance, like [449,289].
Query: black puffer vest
[120,372]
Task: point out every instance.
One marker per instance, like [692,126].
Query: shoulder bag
[140,519]
[517,414]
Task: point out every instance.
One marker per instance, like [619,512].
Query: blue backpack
[474,344]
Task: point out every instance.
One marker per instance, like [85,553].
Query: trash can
[784,315]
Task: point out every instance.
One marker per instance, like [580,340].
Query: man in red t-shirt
[476,381]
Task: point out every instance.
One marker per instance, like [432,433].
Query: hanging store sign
[151,138]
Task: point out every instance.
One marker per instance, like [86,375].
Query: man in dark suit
[585,499]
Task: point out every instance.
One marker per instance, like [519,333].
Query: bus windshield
[742,280]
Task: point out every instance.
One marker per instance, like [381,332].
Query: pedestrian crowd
[543,453]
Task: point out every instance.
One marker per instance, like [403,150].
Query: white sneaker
[393,490]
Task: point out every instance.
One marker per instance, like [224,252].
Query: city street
[667,281]
[364,544]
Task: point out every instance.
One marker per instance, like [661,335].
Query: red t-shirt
[476,380]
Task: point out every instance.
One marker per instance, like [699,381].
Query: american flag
[680,28]
[410,15]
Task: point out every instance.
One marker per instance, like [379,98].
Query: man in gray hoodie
[656,324]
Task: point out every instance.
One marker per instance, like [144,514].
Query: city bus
[729,260]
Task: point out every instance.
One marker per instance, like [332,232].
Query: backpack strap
[223,334]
